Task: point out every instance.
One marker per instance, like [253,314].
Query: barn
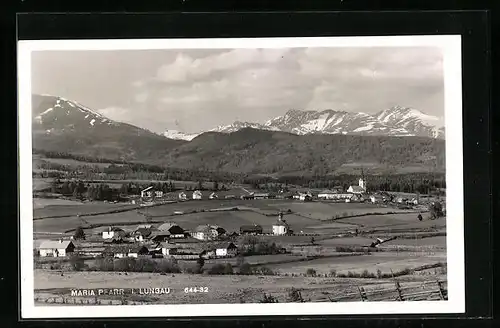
[56,248]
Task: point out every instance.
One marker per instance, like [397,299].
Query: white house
[182,196]
[150,192]
[112,232]
[197,194]
[305,196]
[213,196]
[206,232]
[168,249]
[126,251]
[56,248]
[327,195]
[226,249]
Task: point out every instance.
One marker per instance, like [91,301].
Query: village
[170,239]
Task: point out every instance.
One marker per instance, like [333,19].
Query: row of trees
[422,183]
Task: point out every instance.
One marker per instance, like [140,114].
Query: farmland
[323,241]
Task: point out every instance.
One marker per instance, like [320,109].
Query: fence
[426,291]
[85,301]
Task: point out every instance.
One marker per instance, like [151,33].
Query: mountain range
[395,121]
[299,142]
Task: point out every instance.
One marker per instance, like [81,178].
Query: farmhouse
[265,195]
[150,192]
[142,233]
[377,199]
[174,229]
[168,249]
[213,196]
[226,249]
[112,232]
[205,232]
[327,195]
[56,248]
[182,196]
[125,251]
[159,236]
[251,229]
[197,194]
[305,196]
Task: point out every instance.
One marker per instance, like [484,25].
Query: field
[384,261]
[221,289]
[316,247]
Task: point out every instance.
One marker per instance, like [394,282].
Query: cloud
[198,89]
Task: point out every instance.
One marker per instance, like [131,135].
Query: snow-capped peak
[174,134]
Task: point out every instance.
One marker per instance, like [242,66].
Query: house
[377,199]
[327,195]
[205,232]
[56,248]
[159,236]
[142,233]
[111,232]
[213,196]
[359,189]
[251,229]
[182,196]
[305,196]
[197,194]
[262,196]
[356,198]
[121,251]
[168,249]
[281,228]
[247,197]
[226,249]
[147,226]
[174,229]
[150,192]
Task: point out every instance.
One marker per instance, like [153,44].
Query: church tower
[362,182]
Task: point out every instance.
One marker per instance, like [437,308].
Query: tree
[436,210]
[312,240]
[200,263]
[200,185]
[215,186]
[79,233]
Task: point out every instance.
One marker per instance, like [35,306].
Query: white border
[451,47]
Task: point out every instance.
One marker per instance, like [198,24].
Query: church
[359,189]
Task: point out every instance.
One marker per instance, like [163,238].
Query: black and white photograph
[247,175]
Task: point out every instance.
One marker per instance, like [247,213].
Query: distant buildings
[150,192]
[207,232]
[251,229]
[121,251]
[327,195]
[56,248]
[197,194]
[182,196]
[213,196]
[112,232]
[305,196]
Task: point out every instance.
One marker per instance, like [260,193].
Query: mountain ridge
[62,125]
[394,121]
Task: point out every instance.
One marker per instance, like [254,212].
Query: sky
[196,90]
